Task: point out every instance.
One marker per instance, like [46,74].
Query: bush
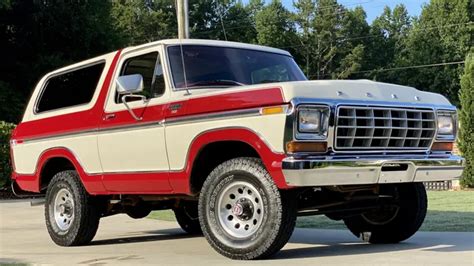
[466,116]
[5,165]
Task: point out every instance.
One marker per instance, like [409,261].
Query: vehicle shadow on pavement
[147,236]
[340,246]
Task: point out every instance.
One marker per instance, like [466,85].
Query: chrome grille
[380,128]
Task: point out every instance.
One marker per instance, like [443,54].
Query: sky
[373,8]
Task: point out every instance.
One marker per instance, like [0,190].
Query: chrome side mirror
[130,84]
[127,86]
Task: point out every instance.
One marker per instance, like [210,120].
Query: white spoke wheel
[240,209]
[72,216]
[63,209]
[242,213]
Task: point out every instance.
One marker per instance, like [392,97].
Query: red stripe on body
[234,101]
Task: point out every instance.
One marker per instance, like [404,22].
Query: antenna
[184,69]
[183,33]
[223,28]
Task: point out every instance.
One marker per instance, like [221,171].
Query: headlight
[313,122]
[446,125]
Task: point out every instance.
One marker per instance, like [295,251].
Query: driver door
[132,146]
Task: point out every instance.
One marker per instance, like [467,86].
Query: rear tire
[187,217]
[243,214]
[392,225]
[72,216]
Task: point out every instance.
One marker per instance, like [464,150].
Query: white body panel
[84,147]
[179,137]
[134,149]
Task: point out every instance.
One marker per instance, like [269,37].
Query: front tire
[72,216]
[392,225]
[243,214]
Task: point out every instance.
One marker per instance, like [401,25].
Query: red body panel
[234,101]
[150,182]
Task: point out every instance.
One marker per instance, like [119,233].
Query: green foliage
[140,21]
[274,26]
[440,34]
[5,168]
[222,20]
[10,103]
[330,38]
[40,36]
[388,43]
[466,116]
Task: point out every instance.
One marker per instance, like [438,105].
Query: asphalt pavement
[122,240]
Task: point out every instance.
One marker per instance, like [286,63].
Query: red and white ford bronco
[235,140]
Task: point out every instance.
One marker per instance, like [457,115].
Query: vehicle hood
[359,90]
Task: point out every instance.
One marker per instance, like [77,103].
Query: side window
[149,66]
[73,88]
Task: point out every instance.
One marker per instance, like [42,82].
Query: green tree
[5,164]
[330,38]
[388,34]
[43,35]
[327,31]
[353,44]
[443,33]
[275,26]
[304,19]
[141,21]
[466,116]
[221,20]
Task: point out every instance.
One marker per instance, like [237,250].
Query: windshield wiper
[214,83]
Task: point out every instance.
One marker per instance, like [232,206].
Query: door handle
[109,117]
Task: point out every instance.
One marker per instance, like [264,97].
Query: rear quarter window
[69,89]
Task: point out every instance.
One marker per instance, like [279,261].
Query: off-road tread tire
[188,224]
[278,230]
[413,206]
[86,211]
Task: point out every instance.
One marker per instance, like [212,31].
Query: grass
[450,211]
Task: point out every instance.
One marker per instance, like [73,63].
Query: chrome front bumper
[370,169]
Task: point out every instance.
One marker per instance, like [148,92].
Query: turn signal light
[272,110]
[442,146]
[297,146]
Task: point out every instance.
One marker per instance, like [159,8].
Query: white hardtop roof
[212,43]
[175,42]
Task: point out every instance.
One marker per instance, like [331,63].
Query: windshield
[222,67]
